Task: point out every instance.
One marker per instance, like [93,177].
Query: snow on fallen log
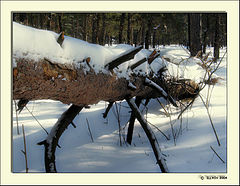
[75,72]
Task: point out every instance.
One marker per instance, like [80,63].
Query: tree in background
[194,35]
[217,37]
[147,29]
[122,20]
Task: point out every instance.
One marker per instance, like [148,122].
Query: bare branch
[123,58]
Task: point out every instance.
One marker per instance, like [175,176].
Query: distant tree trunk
[41,20]
[73,27]
[23,18]
[97,28]
[30,19]
[154,37]
[149,31]
[14,17]
[49,17]
[60,22]
[135,37]
[85,27]
[143,30]
[103,32]
[120,35]
[94,25]
[216,38]
[129,29]
[205,31]
[189,36]
[195,45]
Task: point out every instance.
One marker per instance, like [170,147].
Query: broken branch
[129,54]
[53,137]
[151,137]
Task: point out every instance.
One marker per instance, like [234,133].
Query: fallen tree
[80,84]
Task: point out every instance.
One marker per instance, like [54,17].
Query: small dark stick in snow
[217,154]
[25,149]
[89,130]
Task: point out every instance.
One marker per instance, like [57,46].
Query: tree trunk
[129,29]
[120,35]
[143,30]
[205,31]
[49,18]
[195,45]
[149,32]
[103,32]
[94,28]
[189,35]
[60,22]
[97,27]
[216,38]
[41,20]
[154,38]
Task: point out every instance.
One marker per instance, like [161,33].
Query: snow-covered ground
[190,151]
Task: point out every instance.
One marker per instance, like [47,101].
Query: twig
[212,72]
[180,127]
[217,154]
[166,112]
[208,92]
[16,117]
[89,130]
[186,108]
[214,130]
[25,149]
[185,50]
[37,120]
[159,131]
[119,123]
[172,129]
[209,96]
